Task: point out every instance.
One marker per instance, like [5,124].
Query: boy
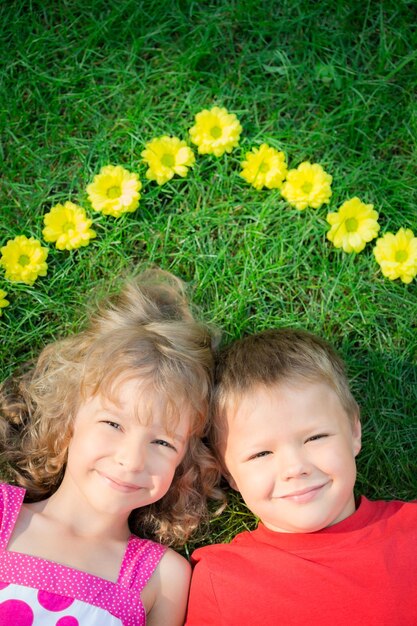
[286,430]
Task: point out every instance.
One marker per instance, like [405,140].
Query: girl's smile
[119,485]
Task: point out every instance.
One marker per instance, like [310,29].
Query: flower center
[351,225]
[24,260]
[215,132]
[114,192]
[401,256]
[264,167]
[67,226]
[168,160]
[306,187]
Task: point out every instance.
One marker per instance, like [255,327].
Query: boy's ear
[231,481]
[357,434]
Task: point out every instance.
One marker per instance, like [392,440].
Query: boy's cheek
[247,484]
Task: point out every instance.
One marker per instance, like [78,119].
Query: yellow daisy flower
[24,259]
[307,186]
[3,301]
[397,255]
[353,225]
[215,131]
[264,167]
[114,191]
[166,156]
[68,226]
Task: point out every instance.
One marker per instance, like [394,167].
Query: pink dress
[35,591]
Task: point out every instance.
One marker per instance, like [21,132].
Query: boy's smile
[290,450]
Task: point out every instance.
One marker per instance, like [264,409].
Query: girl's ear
[356,435]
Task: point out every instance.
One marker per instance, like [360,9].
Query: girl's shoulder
[166,594]
[11,500]
[173,563]
[142,556]
[12,490]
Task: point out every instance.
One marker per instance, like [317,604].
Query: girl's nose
[132,456]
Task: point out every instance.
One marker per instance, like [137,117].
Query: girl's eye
[114,425]
[164,444]
[317,437]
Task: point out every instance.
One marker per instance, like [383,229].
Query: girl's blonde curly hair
[147,332]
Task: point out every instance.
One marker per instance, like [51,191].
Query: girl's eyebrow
[174,435]
[179,438]
[110,403]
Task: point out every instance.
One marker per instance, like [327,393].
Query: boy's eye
[259,455]
[164,444]
[316,437]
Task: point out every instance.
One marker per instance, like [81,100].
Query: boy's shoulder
[378,517]
[217,551]
[388,511]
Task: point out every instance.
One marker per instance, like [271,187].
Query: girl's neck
[49,530]
[77,518]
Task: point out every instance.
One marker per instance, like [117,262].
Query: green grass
[87,84]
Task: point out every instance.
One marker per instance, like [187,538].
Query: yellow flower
[24,259]
[114,191]
[215,131]
[264,167]
[397,255]
[3,301]
[353,225]
[308,185]
[68,226]
[166,156]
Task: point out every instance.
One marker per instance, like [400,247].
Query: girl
[102,437]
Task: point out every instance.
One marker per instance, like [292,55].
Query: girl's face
[120,460]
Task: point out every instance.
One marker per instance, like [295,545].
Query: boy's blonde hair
[146,332]
[273,357]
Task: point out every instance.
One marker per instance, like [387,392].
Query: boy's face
[290,450]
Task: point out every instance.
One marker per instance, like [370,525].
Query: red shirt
[360,572]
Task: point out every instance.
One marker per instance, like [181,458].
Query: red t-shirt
[360,572]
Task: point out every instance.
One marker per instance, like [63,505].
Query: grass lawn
[85,84]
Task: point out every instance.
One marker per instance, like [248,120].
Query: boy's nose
[292,463]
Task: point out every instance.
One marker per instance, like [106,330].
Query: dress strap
[141,559]
[11,500]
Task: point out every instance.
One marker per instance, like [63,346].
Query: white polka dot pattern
[37,591]
[22,606]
